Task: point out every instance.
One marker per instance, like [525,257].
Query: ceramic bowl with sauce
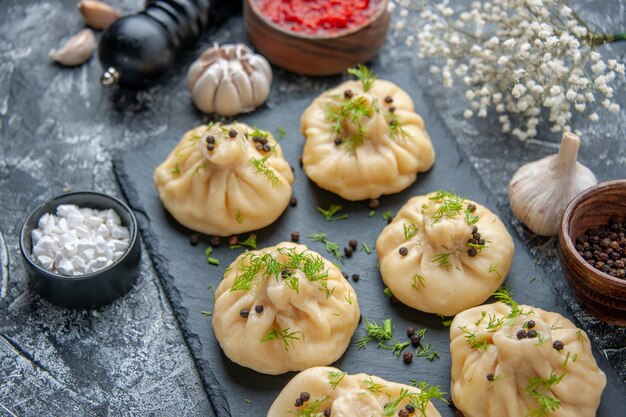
[601,294]
[321,51]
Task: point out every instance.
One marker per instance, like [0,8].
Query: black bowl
[90,290]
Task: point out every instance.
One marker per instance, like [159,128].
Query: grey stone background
[60,130]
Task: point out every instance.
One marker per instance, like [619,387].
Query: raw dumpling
[442,253]
[505,359]
[225,179]
[335,393]
[284,308]
[361,144]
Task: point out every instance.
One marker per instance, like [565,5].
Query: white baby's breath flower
[468,113]
[594,117]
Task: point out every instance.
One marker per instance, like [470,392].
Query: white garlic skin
[229,80]
[540,191]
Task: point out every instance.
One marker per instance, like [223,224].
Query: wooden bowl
[319,54]
[601,294]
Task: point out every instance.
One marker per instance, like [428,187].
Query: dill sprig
[382,333]
[363,74]
[239,217]
[285,335]
[395,126]
[418,280]
[387,215]
[473,340]
[442,260]
[281,132]
[504,295]
[175,170]
[425,351]
[372,386]
[427,393]
[249,242]
[312,409]
[260,165]
[331,247]
[352,110]
[329,214]
[366,248]
[449,205]
[334,378]
[410,230]
[537,388]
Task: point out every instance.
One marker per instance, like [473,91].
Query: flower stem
[598,39]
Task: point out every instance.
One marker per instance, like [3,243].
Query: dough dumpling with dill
[284,308]
[442,253]
[225,179]
[338,394]
[364,140]
[512,360]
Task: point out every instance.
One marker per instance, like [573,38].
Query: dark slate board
[187,275]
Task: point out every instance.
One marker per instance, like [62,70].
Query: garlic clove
[96,14]
[243,84]
[227,101]
[76,50]
[540,191]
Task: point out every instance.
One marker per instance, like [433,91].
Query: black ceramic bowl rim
[566,233]
[27,252]
[382,9]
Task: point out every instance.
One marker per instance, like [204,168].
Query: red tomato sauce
[318,16]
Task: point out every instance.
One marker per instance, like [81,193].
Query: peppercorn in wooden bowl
[90,287]
[593,231]
[293,37]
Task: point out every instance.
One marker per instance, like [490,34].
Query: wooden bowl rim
[566,238]
[382,9]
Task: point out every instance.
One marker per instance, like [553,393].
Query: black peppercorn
[410,331]
[210,139]
[244,313]
[374,203]
[471,208]
[194,240]
[210,147]
[530,324]
[344,275]
[337,141]
[403,412]
[472,252]
[295,236]
[558,345]
[403,251]
[284,273]
[416,340]
[531,334]
[474,229]
[327,412]
[521,334]
[258,308]
[356,277]
[232,133]
[305,396]
[299,402]
[490,377]
[256,139]
[259,147]
[348,94]
[388,99]
[215,241]
[348,251]
[266,148]
[353,243]
[409,408]
[392,109]
[407,357]
[293,202]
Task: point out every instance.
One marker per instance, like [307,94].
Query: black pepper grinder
[136,50]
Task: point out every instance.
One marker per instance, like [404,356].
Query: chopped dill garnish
[329,214]
[281,132]
[312,409]
[291,280]
[469,217]
[363,74]
[372,213]
[372,386]
[175,170]
[395,126]
[366,248]
[331,247]
[425,351]
[392,405]
[581,336]
[247,401]
[494,269]
[260,165]
[504,295]
[200,167]
[284,334]
[537,388]
[352,110]
[260,133]
[449,206]
[427,393]
[239,217]
[387,292]
[418,280]
[212,261]
[446,323]
[388,215]
[348,297]
[206,313]
[410,230]
[473,340]
[382,333]
[494,322]
[334,378]
[442,260]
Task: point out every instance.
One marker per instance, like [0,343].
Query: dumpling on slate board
[517,361]
[364,140]
[442,253]
[225,179]
[332,392]
[284,308]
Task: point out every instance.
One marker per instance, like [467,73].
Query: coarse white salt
[78,241]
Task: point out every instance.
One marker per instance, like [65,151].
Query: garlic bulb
[540,191]
[229,80]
